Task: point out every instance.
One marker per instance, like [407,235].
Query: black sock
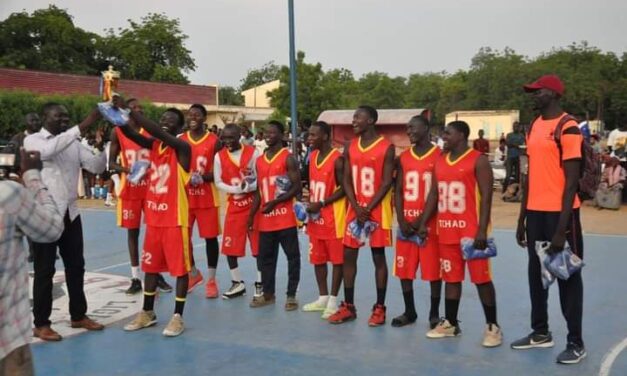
[490,314]
[149,300]
[381,296]
[410,308]
[451,306]
[179,305]
[349,294]
[435,307]
[213,252]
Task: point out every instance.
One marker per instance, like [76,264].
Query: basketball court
[225,337]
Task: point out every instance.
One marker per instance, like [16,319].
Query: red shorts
[129,213]
[208,222]
[452,265]
[408,256]
[167,249]
[235,234]
[322,251]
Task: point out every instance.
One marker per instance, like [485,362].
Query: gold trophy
[110,80]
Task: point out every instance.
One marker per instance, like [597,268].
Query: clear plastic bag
[138,170]
[547,277]
[112,114]
[412,238]
[282,184]
[563,264]
[470,253]
[301,211]
[361,233]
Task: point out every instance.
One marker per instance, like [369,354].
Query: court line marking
[128,262]
[610,357]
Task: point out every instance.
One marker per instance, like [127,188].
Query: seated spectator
[595,143]
[612,182]
[499,154]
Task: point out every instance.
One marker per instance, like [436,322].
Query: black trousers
[512,172]
[268,256]
[70,246]
[541,226]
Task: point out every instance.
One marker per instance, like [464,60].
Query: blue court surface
[225,337]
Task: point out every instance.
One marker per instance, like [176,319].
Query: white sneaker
[492,336]
[258,290]
[236,289]
[444,329]
[316,306]
[175,327]
[328,312]
[144,319]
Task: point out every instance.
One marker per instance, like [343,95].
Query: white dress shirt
[63,156]
[234,189]
[29,211]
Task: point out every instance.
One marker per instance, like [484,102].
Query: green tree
[228,95]
[381,91]
[423,91]
[255,77]
[153,49]
[48,40]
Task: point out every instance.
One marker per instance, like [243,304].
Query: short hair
[231,126]
[421,119]
[460,126]
[128,101]
[47,107]
[307,122]
[278,125]
[324,126]
[371,111]
[178,113]
[199,107]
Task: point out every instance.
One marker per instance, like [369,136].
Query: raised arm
[182,148]
[114,151]
[485,181]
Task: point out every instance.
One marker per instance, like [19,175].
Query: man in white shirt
[231,166]
[617,142]
[63,156]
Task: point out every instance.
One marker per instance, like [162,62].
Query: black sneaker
[135,287]
[162,285]
[572,355]
[236,289]
[533,340]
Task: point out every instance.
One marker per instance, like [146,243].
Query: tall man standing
[203,195]
[167,244]
[327,199]
[550,212]
[414,173]
[277,223]
[63,156]
[461,192]
[131,197]
[514,141]
[235,163]
[367,181]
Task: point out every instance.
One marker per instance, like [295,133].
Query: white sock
[135,272]
[116,183]
[211,274]
[332,302]
[322,300]
[258,276]
[109,197]
[235,276]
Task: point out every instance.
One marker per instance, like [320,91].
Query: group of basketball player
[356,185]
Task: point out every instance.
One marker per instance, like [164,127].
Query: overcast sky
[229,37]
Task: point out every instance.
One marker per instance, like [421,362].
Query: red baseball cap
[548,81]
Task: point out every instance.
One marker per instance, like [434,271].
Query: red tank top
[367,171]
[232,173]
[166,200]
[322,184]
[458,197]
[417,178]
[129,153]
[268,170]
[203,152]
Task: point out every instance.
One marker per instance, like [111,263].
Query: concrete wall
[493,123]
[258,96]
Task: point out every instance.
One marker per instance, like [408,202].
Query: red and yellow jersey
[232,173]
[204,195]
[367,171]
[129,153]
[417,177]
[322,184]
[458,197]
[166,202]
[268,170]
